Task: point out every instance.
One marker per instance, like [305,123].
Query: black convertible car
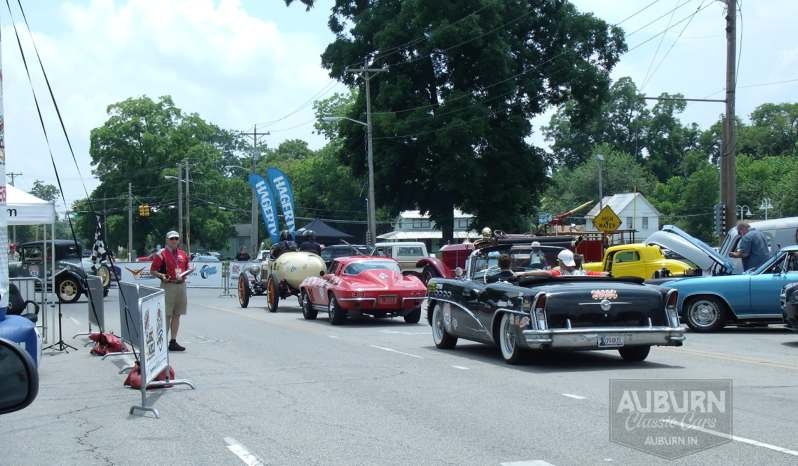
[569,312]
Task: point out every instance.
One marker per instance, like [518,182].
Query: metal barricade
[226,279]
[28,288]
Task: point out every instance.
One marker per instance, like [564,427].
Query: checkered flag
[98,250]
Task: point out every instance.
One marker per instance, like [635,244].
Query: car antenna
[354,248]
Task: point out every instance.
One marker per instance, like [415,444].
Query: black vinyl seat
[17,305]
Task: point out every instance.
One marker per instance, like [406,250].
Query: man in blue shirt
[753,248]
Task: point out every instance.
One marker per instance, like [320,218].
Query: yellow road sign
[606,220]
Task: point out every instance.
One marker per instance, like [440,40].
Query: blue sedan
[708,303]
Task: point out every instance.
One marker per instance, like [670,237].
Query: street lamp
[766,205]
[600,159]
[372,229]
[744,209]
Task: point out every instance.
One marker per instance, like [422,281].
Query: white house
[634,211]
[412,225]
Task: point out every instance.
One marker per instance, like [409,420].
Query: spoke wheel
[440,336]
[705,314]
[511,352]
[243,291]
[337,315]
[272,296]
[105,275]
[428,274]
[635,353]
[308,311]
[68,290]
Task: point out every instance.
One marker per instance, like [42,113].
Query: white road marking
[334,336]
[740,439]
[404,333]
[462,368]
[527,463]
[74,320]
[576,397]
[242,452]
[394,351]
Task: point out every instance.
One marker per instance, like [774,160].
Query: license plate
[387,299]
[610,341]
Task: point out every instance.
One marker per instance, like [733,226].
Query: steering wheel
[490,271]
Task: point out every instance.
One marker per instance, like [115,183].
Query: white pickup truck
[407,254]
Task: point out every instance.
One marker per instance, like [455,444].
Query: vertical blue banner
[266,204]
[285,195]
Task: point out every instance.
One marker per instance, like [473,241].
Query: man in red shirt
[169,266]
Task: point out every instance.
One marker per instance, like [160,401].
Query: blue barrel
[22,331]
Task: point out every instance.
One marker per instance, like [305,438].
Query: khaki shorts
[176,299]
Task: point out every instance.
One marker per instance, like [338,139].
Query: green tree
[571,188]
[142,142]
[668,140]
[46,192]
[451,114]
[623,123]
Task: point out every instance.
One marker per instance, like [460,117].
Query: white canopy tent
[26,209]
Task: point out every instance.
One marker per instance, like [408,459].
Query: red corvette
[363,285]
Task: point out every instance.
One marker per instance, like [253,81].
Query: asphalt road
[275,389]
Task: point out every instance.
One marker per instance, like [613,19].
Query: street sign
[606,220]
[544,219]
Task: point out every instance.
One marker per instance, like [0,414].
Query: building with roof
[412,225]
[634,211]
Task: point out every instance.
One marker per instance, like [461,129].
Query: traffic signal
[75,210]
[141,211]
[719,224]
[723,219]
[146,210]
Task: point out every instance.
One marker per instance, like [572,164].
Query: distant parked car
[342,250]
[149,258]
[199,258]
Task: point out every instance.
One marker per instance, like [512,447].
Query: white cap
[567,258]
[172,234]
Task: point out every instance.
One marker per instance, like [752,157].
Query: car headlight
[254,270]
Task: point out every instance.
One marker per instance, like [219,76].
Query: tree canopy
[451,113]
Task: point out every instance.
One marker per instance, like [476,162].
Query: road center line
[242,452]
[394,351]
[726,357]
[462,368]
[576,397]
[739,439]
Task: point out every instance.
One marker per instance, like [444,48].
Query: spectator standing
[753,248]
[13,255]
[169,263]
[242,255]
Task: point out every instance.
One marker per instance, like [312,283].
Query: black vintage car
[542,313]
[70,266]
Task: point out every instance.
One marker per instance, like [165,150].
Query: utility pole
[372,215]
[729,183]
[180,201]
[13,228]
[129,222]
[188,213]
[254,214]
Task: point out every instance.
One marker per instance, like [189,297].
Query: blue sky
[241,63]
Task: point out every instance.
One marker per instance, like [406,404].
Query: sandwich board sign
[606,220]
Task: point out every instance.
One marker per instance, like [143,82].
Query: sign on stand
[153,354]
[606,220]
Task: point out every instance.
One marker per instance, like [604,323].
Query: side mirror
[19,376]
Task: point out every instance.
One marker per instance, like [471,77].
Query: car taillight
[354,294]
[539,312]
[671,299]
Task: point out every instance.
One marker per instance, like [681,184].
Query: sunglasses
[170,239]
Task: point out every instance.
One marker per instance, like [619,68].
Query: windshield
[356,268]
[522,259]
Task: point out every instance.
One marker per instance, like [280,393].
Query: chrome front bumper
[587,338]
